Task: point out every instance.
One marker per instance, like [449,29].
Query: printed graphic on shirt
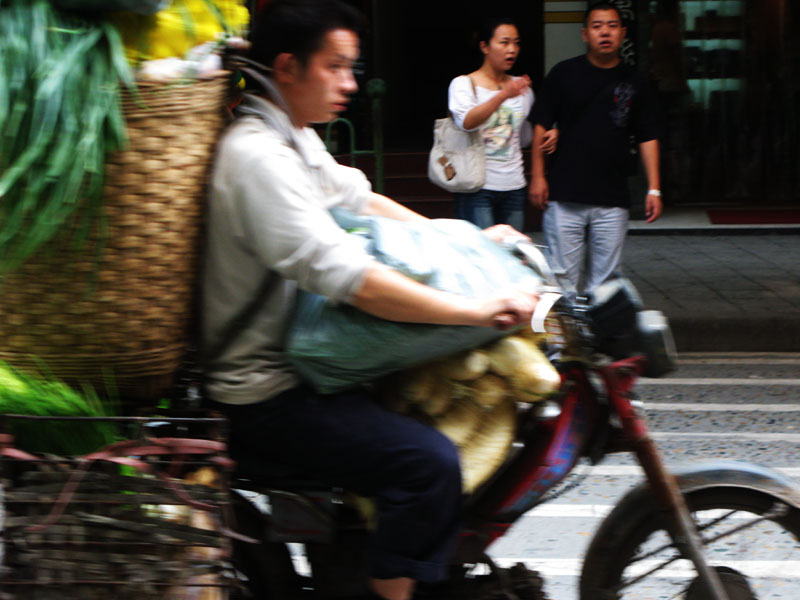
[499,131]
[623,100]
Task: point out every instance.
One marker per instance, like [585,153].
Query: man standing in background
[599,104]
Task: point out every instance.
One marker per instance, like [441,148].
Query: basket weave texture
[128,314]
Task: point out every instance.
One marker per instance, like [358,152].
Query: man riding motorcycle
[270,233]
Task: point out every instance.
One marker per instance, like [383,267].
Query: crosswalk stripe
[719,407]
[782,360]
[645,381]
[571,567]
[600,511]
[633,470]
[737,436]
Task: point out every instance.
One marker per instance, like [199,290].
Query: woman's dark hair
[488,27]
[593,6]
[298,27]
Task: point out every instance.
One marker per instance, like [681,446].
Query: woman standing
[498,104]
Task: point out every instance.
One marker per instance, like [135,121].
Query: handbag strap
[474,93]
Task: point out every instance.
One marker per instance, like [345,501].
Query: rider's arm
[390,295]
[386,207]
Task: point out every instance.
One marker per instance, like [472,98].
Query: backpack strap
[245,317]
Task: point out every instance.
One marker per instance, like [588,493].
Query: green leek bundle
[60,113]
[22,394]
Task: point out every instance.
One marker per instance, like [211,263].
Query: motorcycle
[710,531]
[692,528]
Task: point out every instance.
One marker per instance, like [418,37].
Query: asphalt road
[715,406]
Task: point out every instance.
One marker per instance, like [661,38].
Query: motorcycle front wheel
[750,537]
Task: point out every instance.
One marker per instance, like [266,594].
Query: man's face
[603,33]
[321,90]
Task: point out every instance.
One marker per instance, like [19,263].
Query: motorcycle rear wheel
[633,540]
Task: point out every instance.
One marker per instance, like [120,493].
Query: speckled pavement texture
[722,291]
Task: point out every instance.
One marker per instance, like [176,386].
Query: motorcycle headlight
[622,328]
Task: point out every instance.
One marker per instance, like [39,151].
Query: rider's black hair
[593,6]
[298,27]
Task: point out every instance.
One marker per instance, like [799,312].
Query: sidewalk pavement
[723,288]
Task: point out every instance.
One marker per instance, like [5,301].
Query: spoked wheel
[752,539]
[734,583]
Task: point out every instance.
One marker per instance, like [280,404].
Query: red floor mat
[767,216]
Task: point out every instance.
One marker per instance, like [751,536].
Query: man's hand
[653,207]
[507,309]
[549,141]
[539,192]
[515,86]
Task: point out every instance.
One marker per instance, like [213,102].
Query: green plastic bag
[335,347]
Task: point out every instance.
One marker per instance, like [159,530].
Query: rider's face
[319,91]
[603,33]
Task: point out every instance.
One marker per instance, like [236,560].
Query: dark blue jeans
[488,207]
[410,469]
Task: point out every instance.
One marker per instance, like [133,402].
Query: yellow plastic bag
[173,31]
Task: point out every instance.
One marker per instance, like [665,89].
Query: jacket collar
[278,120]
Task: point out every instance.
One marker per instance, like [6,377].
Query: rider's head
[311,46]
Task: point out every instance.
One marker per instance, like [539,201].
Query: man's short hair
[298,27]
[593,6]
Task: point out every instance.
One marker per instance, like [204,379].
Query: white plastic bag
[338,346]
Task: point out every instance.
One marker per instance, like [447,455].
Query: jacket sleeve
[280,215]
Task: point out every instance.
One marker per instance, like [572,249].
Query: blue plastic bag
[338,346]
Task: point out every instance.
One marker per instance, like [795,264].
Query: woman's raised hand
[515,86]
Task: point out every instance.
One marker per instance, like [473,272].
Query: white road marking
[739,361]
[599,511]
[569,567]
[644,381]
[633,470]
[736,357]
[719,407]
[731,436]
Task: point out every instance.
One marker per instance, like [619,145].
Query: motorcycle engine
[622,328]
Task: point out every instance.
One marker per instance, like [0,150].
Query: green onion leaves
[60,113]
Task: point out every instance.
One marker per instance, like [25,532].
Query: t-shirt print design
[498,133]
[623,100]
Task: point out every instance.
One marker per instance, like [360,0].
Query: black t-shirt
[596,111]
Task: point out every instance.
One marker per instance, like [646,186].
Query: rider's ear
[285,68]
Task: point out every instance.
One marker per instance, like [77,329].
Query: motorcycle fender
[738,474]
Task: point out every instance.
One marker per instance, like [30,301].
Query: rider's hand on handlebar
[508,308]
[502,233]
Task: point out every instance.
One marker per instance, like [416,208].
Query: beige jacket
[271,189]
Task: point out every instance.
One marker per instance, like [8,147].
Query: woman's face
[502,50]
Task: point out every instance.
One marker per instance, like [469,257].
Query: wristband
[656,193]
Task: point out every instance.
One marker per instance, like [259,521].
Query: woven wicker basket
[125,319]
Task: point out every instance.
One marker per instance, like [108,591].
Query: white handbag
[457,161]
